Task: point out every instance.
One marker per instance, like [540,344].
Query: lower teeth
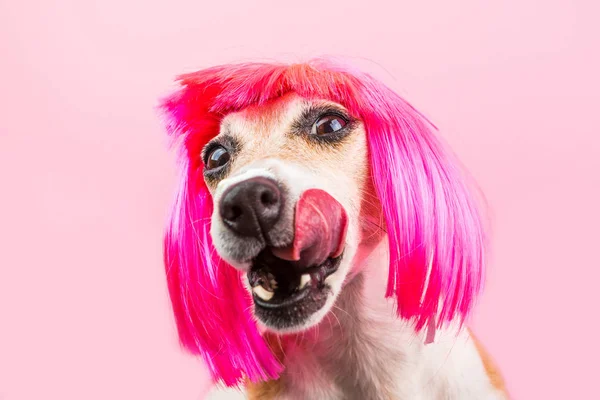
[262,293]
[304,280]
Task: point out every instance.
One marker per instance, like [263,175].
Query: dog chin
[298,327]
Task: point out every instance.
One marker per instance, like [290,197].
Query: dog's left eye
[328,124]
[218,157]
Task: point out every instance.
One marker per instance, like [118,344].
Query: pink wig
[434,230]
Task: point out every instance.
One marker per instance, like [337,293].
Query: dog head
[287,179]
[290,175]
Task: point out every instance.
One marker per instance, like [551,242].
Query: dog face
[261,167]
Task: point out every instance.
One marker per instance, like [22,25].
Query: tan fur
[264,391]
[491,369]
[274,388]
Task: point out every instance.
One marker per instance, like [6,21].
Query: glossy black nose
[251,207]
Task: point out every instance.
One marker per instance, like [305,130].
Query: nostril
[268,198]
[232,213]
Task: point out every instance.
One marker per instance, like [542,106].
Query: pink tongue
[319,231]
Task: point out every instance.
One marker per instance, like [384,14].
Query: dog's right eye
[217,158]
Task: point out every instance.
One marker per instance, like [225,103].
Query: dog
[323,242]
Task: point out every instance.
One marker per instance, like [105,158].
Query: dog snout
[252,207]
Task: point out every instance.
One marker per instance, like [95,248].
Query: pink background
[86,180]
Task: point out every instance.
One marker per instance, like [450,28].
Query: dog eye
[217,158]
[328,124]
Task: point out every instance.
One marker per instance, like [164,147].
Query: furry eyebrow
[310,115]
[226,140]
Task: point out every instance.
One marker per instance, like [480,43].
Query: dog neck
[362,350]
[354,352]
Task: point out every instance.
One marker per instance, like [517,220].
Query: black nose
[251,207]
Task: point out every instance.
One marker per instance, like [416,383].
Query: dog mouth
[286,293]
[289,284]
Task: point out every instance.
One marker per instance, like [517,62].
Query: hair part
[434,229]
